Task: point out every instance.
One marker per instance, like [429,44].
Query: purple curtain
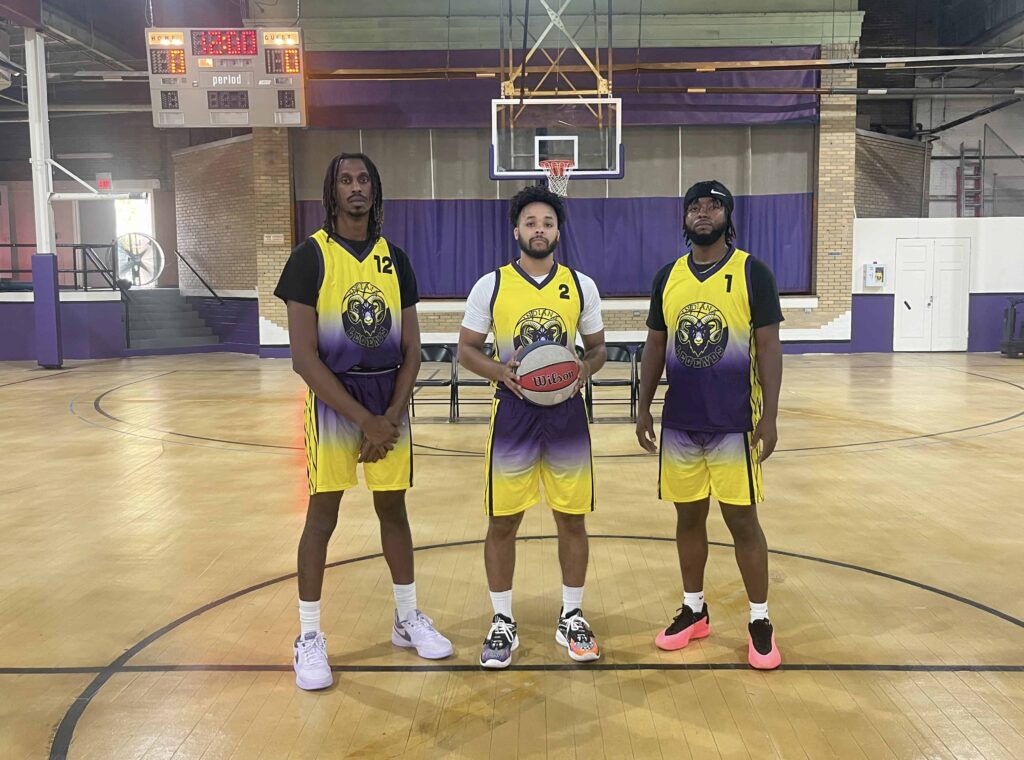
[620,242]
[466,102]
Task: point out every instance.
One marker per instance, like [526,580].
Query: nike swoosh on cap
[718,192]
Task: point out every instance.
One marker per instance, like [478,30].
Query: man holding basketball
[530,300]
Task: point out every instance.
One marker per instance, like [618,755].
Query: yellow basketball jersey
[711,359]
[359,307]
[525,311]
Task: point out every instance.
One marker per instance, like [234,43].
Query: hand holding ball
[547,373]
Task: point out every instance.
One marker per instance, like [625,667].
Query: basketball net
[558,171]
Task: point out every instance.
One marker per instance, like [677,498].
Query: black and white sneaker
[574,634]
[502,640]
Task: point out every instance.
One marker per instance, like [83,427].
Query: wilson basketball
[547,373]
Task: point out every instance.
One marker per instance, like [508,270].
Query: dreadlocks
[331,205]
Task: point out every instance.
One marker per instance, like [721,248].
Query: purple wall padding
[620,242]
[93,330]
[89,330]
[235,321]
[985,319]
[18,336]
[466,102]
[46,310]
[871,330]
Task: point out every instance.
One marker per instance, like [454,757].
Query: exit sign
[104,181]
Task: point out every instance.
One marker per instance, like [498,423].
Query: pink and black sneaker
[761,651]
[685,627]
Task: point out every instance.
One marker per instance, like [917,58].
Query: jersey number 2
[728,283]
[383,264]
[563,291]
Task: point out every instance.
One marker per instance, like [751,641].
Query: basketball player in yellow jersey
[530,300]
[355,340]
[714,326]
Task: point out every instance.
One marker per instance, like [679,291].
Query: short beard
[707,238]
[526,248]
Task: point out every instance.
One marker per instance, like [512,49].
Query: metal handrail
[181,256]
[108,273]
[79,266]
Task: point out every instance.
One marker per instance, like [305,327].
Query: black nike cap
[710,188]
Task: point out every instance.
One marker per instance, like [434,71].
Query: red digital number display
[212,42]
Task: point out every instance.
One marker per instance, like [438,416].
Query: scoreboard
[226,77]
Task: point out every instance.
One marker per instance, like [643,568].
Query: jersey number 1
[383,264]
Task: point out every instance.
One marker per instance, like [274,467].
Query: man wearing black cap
[718,308]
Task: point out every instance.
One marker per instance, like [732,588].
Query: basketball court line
[98,406]
[37,377]
[66,728]
[811,667]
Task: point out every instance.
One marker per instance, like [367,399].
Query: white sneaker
[417,631]
[312,670]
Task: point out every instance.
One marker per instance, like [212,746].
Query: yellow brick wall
[274,210]
[215,215]
[834,199]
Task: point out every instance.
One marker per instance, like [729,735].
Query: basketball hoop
[558,171]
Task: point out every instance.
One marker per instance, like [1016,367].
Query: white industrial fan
[140,259]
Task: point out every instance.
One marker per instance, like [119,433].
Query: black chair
[469,382]
[639,362]
[619,353]
[438,353]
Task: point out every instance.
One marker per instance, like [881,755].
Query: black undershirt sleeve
[765,308]
[656,314]
[300,279]
[406,277]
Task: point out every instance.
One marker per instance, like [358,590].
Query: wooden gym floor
[150,510]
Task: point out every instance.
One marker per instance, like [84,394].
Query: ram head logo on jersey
[701,335]
[538,325]
[367,318]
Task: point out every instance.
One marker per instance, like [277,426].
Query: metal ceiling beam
[86,108]
[62,27]
[700,67]
[9,65]
[973,115]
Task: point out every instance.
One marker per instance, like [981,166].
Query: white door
[950,291]
[912,324]
[930,310]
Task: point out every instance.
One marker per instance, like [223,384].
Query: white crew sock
[572,598]
[309,616]
[405,599]
[758,611]
[694,600]
[502,601]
